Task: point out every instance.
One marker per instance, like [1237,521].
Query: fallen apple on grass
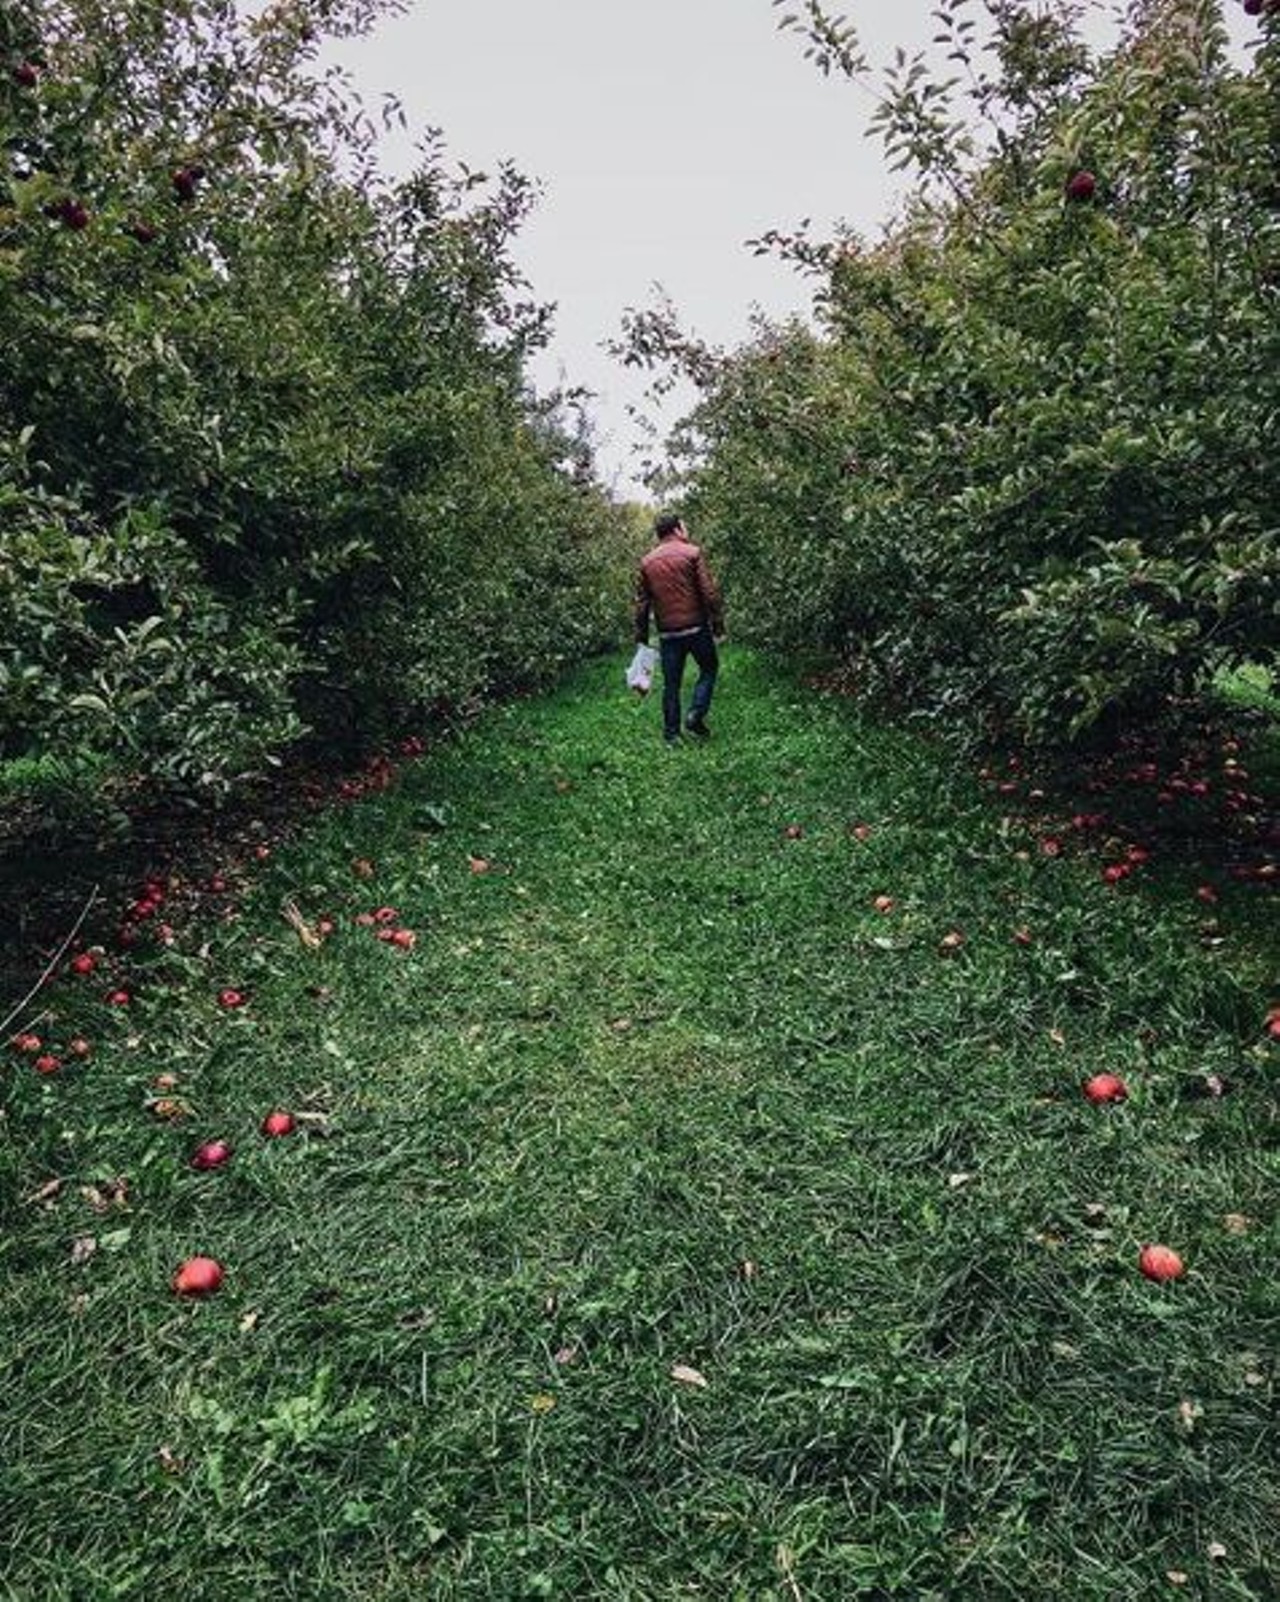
[84,962]
[47,1063]
[78,1046]
[883,904]
[118,998]
[212,1154]
[1160,1263]
[230,999]
[198,1276]
[1103,1088]
[26,75]
[277,1124]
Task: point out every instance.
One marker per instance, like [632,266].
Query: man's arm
[644,605]
[710,592]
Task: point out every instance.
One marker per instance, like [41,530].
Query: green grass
[658,1042]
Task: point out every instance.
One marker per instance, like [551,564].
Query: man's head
[669,526]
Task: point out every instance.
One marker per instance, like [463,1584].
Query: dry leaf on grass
[689,1376]
[308,936]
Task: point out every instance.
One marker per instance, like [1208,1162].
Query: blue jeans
[702,648]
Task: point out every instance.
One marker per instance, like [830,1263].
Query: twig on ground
[52,964]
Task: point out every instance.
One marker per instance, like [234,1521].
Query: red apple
[385,915]
[230,999]
[217,884]
[1022,936]
[1051,847]
[47,1063]
[365,920]
[26,75]
[1105,1088]
[404,938]
[74,215]
[25,1042]
[793,831]
[883,903]
[1207,894]
[184,182]
[325,927]
[1160,1263]
[198,1276]
[276,1124]
[79,1046]
[1115,872]
[118,998]
[83,962]
[1081,185]
[213,1154]
[143,232]
[262,852]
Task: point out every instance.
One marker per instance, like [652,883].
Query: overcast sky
[665,133]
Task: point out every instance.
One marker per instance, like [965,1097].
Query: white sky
[665,133]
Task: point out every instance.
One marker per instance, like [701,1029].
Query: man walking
[675,586]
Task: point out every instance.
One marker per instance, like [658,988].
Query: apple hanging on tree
[184,181]
[1082,185]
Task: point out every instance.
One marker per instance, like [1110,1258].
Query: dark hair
[668,523]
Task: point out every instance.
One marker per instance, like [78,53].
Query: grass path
[659,1088]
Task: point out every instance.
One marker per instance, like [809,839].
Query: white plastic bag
[640,673]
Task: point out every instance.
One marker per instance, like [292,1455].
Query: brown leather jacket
[676,587]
